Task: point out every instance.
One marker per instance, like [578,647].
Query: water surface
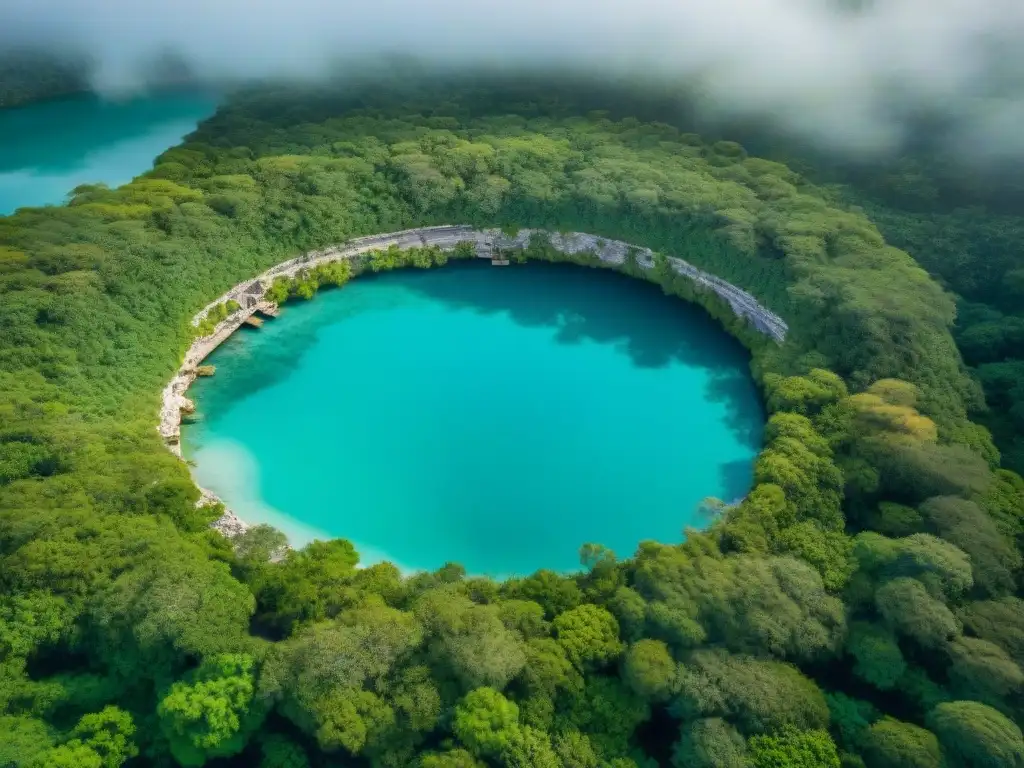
[48,149]
[494,417]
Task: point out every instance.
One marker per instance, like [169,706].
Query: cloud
[852,73]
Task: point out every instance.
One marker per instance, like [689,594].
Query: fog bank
[829,70]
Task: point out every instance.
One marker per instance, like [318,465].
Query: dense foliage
[977,253]
[29,75]
[860,606]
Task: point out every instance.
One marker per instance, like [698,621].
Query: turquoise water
[498,418]
[48,149]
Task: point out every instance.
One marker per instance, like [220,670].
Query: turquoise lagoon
[48,149]
[498,418]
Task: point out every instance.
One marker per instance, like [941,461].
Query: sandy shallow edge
[250,297]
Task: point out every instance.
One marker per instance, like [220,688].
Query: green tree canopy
[907,607]
[486,722]
[649,669]
[212,712]
[999,621]
[892,744]
[99,740]
[529,748]
[994,559]
[575,750]
[983,671]
[589,634]
[975,735]
[759,696]
[710,743]
[794,749]
[470,640]
[879,660]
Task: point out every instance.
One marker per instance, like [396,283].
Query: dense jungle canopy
[30,75]
[861,607]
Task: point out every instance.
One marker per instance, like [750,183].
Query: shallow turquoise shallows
[494,417]
[48,149]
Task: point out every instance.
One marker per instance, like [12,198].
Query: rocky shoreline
[228,524]
[249,296]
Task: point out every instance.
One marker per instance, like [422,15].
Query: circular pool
[494,417]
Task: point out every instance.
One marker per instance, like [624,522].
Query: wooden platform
[499,262]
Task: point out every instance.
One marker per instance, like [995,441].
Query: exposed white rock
[228,523]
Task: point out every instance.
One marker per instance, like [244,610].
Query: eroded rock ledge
[249,297]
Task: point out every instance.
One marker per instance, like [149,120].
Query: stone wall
[615,252]
[447,237]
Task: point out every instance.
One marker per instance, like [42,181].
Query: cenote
[48,149]
[498,418]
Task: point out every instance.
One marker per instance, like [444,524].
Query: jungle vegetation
[30,75]
[974,251]
[861,607]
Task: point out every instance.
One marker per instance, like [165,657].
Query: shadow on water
[586,305]
[736,479]
[732,385]
[580,305]
[604,307]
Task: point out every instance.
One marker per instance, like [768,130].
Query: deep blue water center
[498,418]
[48,149]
